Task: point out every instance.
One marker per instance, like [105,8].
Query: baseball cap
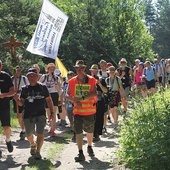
[31,71]
[141,64]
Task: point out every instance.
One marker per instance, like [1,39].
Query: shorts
[54,97]
[116,100]
[19,107]
[150,84]
[85,123]
[38,122]
[5,117]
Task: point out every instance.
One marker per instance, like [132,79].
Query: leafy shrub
[145,136]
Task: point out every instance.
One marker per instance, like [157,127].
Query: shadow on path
[8,163]
[95,162]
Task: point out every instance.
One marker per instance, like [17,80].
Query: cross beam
[12,45]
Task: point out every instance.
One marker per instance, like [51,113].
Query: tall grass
[145,136]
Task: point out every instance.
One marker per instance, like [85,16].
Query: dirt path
[20,158]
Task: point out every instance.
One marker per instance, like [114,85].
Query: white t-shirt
[21,81]
[50,81]
[102,74]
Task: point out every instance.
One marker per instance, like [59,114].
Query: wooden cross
[12,45]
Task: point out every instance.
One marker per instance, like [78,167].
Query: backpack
[145,70]
[100,72]
[46,77]
[24,79]
[108,97]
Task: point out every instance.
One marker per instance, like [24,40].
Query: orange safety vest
[78,90]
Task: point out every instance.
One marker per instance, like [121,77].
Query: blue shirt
[150,74]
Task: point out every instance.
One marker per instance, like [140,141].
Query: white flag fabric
[49,30]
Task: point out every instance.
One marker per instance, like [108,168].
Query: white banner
[50,27]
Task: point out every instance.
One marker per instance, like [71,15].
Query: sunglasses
[70,75]
[79,68]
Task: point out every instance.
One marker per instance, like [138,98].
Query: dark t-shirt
[5,85]
[126,78]
[34,96]
[99,90]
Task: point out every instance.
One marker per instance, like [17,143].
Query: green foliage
[18,18]
[157,18]
[150,15]
[96,29]
[145,136]
[105,29]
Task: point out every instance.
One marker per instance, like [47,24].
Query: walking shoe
[0,154]
[80,157]
[9,146]
[96,139]
[90,151]
[104,130]
[63,123]
[52,133]
[22,135]
[33,149]
[37,156]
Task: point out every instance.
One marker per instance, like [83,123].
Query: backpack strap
[24,79]
[107,80]
[118,82]
[100,72]
[45,77]
[19,81]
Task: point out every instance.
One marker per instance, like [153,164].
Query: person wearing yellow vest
[83,94]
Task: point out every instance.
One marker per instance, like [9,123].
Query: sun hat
[50,65]
[147,62]
[137,60]
[31,71]
[111,69]
[79,63]
[70,73]
[94,66]
[147,59]
[123,60]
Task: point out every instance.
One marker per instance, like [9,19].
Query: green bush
[145,136]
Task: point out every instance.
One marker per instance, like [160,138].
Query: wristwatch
[52,113]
